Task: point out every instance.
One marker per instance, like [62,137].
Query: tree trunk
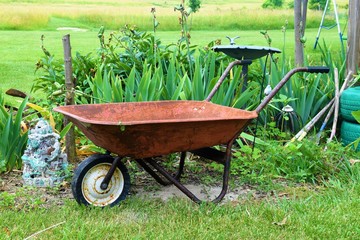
[353,42]
[69,99]
[300,10]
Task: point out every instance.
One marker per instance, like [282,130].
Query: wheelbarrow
[145,130]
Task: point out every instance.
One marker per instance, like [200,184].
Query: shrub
[272,4]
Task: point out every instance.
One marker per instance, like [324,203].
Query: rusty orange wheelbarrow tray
[144,130]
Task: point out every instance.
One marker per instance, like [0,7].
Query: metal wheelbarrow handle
[222,78]
[310,69]
[317,69]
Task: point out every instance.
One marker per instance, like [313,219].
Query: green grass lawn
[298,213]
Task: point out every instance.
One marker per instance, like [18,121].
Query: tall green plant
[134,66]
[310,92]
[12,140]
[194,6]
[338,61]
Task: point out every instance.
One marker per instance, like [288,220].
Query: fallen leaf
[282,223]
[65,184]
[353,161]
[7,231]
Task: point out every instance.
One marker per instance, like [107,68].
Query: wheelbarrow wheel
[88,177]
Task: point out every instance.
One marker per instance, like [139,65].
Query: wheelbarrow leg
[226,173]
[181,166]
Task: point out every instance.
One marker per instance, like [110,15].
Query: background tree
[300,10]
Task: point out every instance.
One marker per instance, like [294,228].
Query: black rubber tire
[350,132]
[349,102]
[84,175]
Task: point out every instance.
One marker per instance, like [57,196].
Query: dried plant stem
[37,233]
[336,105]
[327,118]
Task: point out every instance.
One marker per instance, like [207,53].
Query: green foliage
[317,4]
[134,66]
[12,140]
[299,161]
[22,200]
[356,115]
[194,5]
[272,4]
[2,100]
[338,61]
[52,78]
[313,4]
[308,92]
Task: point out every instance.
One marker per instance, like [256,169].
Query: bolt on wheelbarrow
[145,130]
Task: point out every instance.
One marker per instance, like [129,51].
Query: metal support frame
[244,73]
[210,153]
[144,163]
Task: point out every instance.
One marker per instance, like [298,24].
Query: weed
[21,200]
[300,162]
[7,200]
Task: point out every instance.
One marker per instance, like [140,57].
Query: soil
[143,186]
[26,196]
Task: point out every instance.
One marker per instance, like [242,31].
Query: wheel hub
[91,185]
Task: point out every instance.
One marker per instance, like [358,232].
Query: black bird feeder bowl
[246,54]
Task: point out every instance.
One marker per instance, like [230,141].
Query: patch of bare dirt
[206,193]
[143,186]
